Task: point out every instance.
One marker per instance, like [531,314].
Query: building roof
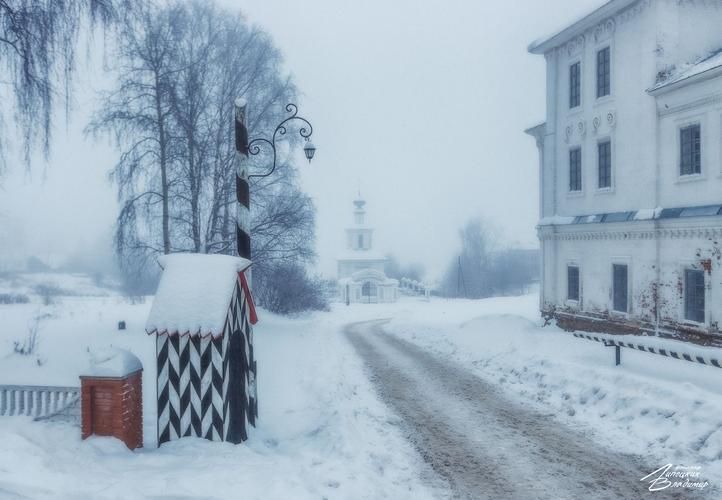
[580,26]
[373,275]
[708,66]
[635,215]
[194,293]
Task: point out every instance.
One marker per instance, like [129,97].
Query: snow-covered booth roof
[202,318]
[194,294]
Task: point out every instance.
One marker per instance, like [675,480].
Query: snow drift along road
[481,442]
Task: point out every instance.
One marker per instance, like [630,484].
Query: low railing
[36,401]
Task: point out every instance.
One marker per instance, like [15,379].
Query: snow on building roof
[113,362]
[194,293]
[578,27]
[709,65]
[645,214]
[361,255]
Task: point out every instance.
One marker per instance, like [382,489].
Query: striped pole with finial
[243,215]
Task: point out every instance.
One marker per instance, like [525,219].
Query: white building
[361,273]
[631,170]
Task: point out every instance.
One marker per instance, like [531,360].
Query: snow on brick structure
[112,397]
[629,169]
[202,317]
[361,272]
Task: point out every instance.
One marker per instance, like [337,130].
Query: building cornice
[710,232]
[573,32]
[665,88]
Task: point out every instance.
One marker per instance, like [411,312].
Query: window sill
[575,194]
[601,101]
[693,324]
[609,190]
[619,314]
[572,303]
[683,179]
[574,112]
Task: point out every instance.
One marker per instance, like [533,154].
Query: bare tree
[138,114]
[182,66]
[472,267]
[37,49]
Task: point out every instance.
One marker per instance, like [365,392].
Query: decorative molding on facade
[632,12]
[582,128]
[604,30]
[568,132]
[650,234]
[612,119]
[687,106]
[576,45]
[596,123]
[697,3]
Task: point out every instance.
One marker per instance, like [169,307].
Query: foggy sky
[419,104]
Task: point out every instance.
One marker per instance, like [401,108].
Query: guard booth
[202,319]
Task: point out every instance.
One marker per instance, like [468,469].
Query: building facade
[361,271]
[630,170]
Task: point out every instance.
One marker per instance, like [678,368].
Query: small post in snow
[617,352]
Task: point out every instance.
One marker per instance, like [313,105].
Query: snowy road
[483,444]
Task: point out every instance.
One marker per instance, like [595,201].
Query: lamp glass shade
[309,149]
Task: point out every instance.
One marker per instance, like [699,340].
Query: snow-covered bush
[287,289]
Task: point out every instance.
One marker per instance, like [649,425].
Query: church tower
[361,270]
[359,236]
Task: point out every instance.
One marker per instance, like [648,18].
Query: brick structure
[112,399]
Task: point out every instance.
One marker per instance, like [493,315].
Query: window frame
[696,168]
[570,300]
[608,73]
[628,310]
[580,176]
[578,94]
[601,142]
[685,299]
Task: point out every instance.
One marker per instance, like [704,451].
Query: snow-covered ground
[665,409]
[323,432]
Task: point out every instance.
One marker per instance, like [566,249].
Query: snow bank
[664,409]
[194,293]
[322,431]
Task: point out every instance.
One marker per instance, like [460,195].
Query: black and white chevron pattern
[190,387]
[206,386]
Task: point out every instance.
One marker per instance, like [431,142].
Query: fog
[420,105]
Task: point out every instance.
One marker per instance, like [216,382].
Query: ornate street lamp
[254,147]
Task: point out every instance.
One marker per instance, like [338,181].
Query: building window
[620,290]
[360,241]
[575,169]
[604,156]
[573,283]
[603,73]
[690,149]
[575,85]
[694,295]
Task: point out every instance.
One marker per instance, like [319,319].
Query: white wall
[643,40]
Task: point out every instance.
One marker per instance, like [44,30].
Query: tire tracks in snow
[483,444]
